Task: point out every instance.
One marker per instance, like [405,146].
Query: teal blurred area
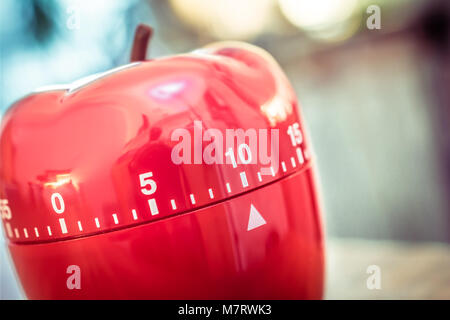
[376,101]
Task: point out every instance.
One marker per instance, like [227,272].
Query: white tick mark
[9,230]
[116,221]
[97,223]
[153,206]
[174,205]
[134,214]
[244,179]
[283,166]
[192,198]
[80,227]
[211,194]
[300,156]
[49,230]
[62,223]
[25,232]
[228,187]
[36,232]
[293,162]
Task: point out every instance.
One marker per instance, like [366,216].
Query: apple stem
[142,37]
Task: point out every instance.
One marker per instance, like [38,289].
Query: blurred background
[375,92]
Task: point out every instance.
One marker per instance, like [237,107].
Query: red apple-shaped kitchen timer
[183,177]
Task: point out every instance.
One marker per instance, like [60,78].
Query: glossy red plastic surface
[204,254]
[71,162]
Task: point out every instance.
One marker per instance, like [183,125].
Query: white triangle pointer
[255,219]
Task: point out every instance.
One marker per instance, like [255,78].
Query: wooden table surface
[408,270]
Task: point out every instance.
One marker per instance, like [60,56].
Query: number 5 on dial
[145,180]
